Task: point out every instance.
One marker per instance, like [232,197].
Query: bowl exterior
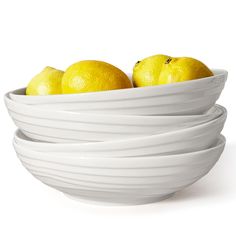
[138,185]
[180,141]
[67,127]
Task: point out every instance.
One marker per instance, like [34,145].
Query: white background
[35,34]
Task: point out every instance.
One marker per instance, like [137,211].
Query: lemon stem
[168,60]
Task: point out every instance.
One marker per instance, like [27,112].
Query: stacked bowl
[129,146]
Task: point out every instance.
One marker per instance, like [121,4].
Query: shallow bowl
[67,127]
[183,98]
[120,180]
[185,140]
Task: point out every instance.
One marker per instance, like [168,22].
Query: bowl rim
[218,73]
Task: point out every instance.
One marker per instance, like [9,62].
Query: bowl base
[119,202]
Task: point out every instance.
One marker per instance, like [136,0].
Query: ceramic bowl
[185,140]
[184,98]
[67,127]
[131,180]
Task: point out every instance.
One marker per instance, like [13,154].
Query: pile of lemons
[93,76]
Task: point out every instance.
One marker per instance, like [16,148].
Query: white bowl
[186,98]
[65,127]
[184,140]
[120,180]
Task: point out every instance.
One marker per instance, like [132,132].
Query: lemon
[92,76]
[147,71]
[182,69]
[47,82]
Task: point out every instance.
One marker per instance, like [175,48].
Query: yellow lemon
[147,71]
[47,82]
[182,69]
[92,76]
